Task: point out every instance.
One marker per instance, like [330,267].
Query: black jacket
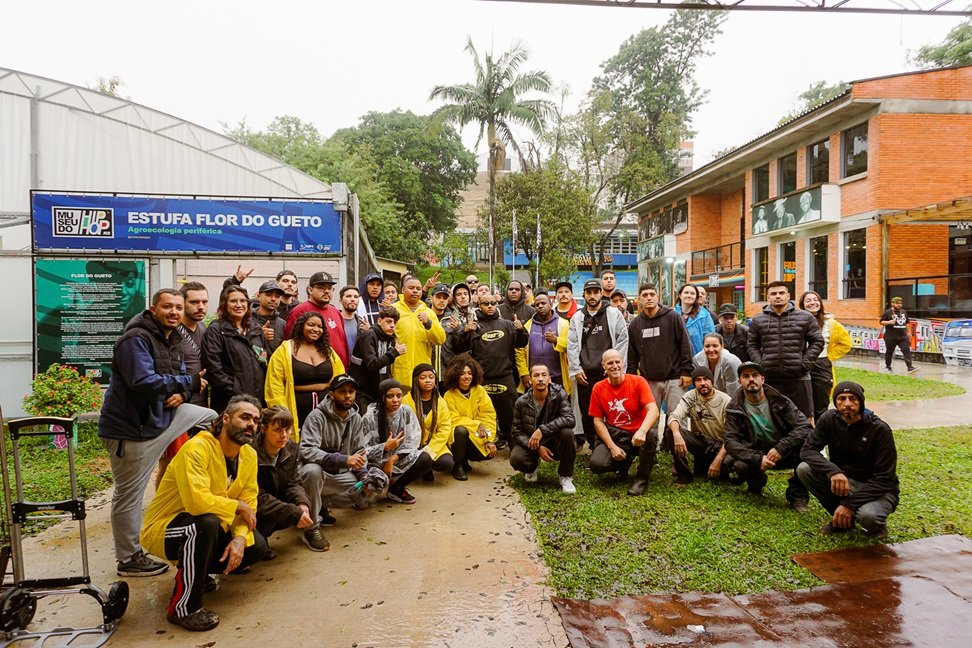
[556,414]
[792,428]
[281,489]
[737,344]
[278,326]
[371,360]
[493,345]
[234,363]
[864,452]
[523,310]
[659,347]
[784,345]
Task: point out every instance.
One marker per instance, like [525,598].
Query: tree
[109,86]
[422,161]
[956,49]
[495,101]
[816,94]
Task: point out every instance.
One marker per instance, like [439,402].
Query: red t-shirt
[332,321]
[621,406]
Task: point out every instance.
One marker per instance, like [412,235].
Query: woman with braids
[392,439]
[233,353]
[473,415]
[837,342]
[301,368]
[698,321]
[433,416]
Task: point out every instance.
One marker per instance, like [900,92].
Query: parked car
[957,343]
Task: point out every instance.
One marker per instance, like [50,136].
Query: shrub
[62,391]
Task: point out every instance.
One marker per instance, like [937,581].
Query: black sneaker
[199,621]
[326,518]
[402,496]
[315,540]
[211,584]
[141,565]
[800,506]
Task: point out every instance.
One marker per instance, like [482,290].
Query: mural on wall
[795,209]
[670,220]
[651,249]
[926,336]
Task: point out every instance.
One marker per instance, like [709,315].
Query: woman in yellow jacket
[473,415]
[434,418]
[545,320]
[837,342]
[301,369]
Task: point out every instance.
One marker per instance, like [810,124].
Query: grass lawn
[889,386]
[713,537]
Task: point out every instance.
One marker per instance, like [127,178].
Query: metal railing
[712,260]
[950,296]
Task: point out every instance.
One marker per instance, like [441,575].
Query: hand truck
[18,600]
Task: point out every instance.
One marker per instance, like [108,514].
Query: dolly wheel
[117,603]
[17,609]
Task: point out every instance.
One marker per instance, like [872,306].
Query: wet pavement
[458,568]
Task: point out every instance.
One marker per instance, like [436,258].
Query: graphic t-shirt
[707,416]
[900,327]
[621,406]
[759,416]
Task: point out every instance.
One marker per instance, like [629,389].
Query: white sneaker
[567,485]
[530,477]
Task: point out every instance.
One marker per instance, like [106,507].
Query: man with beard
[696,428]
[461,314]
[609,283]
[374,353]
[353,324]
[593,330]
[320,288]
[764,431]
[192,329]
[859,481]
[371,298]
[287,280]
[547,345]
[735,334]
[566,306]
[439,302]
[514,304]
[204,514]
[896,334]
[265,314]
[145,409]
[493,342]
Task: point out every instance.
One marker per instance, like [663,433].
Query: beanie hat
[421,367]
[849,387]
[701,371]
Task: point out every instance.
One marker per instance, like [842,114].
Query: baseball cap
[749,365]
[441,288]
[591,284]
[271,286]
[618,291]
[321,278]
[564,284]
[343,379]
[727,309]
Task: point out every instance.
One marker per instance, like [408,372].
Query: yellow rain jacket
[436,442]
[279,387]
[417,339]
[471,413]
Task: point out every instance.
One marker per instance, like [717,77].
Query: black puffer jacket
[791,425]
[785,345]
[555,415]
[234,363]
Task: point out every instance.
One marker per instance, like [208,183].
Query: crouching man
[543,429]
[705,408]
[203,514]
[860,482]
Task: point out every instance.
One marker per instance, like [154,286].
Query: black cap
[618,291]
[343,379]
[590,284]
[564,284]
[849,387]
[321,278]
[749,365]
[441,288]
[271,286]
[728,309]
[701,371]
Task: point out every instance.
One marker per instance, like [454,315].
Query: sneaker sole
[312,547]
[142,574]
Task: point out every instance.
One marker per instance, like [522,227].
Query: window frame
[781,188]
[811,158]
[847,137]
[758,172]
[811,282]
[853,287]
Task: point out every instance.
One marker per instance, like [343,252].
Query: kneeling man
[543,428]
[860,482]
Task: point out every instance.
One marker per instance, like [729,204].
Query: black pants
[560,444]
[584,400]
[270,523]
[444,463]
[822,380]
[602,462]
[703,450]
[502,393]
[418,469]
[903,343]
[799,391]
[196,542]
[464,450]
[756,478]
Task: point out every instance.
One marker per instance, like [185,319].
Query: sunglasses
[472,282]
[487,303]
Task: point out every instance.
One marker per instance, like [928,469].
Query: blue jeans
[872,516]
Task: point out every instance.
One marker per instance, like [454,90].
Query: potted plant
[61,391]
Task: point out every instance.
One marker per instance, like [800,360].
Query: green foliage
[714,537]
[886,387]
[816,94]
[422,161]
[62,391]
[956,49]
[456,260]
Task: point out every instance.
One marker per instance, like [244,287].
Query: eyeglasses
[486,303]
[472,281]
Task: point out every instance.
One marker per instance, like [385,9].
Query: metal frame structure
[917,7]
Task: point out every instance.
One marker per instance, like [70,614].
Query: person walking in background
[897,335]
[837,342]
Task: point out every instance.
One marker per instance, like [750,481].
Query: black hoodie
[368,308]
[659,347]
[493,345]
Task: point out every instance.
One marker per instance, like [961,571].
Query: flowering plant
[62,391]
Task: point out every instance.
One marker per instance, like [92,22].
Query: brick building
[862,198]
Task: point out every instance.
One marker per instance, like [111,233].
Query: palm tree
[495,102]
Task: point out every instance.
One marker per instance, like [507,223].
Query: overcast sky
[220,61]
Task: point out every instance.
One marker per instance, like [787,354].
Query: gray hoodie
[328,440]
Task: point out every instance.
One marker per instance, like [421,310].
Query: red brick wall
[941,84]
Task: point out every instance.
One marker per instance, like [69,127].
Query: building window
[855,264]
[762,272]
[818,162]
[854,150]
[761,183]
[818,266]
[786,180]
[788,266]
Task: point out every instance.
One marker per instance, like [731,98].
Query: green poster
[81,308]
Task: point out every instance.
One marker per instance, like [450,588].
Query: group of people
[279,410]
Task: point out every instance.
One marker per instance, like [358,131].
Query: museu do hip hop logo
[74,221]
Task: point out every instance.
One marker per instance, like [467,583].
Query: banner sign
[183,224]
[670,220]
[82,307]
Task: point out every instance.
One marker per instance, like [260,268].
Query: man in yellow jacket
[418,329]
[548,345]
[204,513]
